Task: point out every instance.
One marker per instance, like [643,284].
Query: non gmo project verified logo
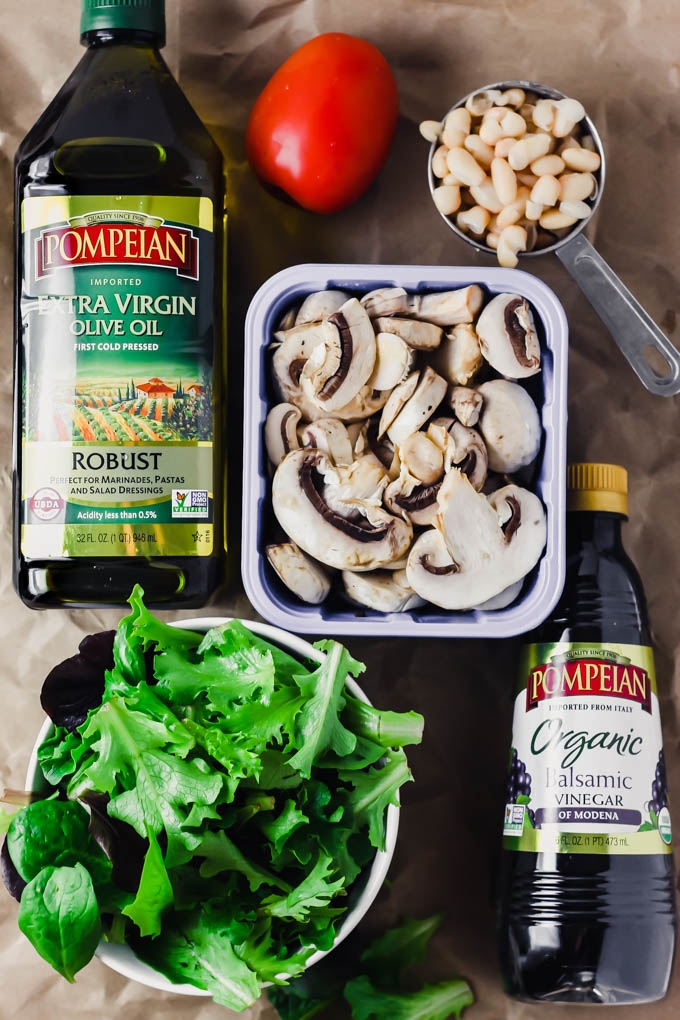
[514,820]
[190,503]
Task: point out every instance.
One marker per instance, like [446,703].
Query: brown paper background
[620,57]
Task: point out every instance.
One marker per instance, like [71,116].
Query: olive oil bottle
[120,200]
[587,912]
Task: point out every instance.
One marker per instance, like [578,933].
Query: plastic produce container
[337,616]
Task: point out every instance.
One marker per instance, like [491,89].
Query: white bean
[502,148]
[527,149]
[543,114]
[580,210]
[513,212]
[456,127]
[546,190]
[512,97]
[568,112]
[492,239]
[576,187]
[480,102]
[511,241]
[430,130]
[512,125]
[482,152]
[581,159]
[490,130]
[504,180]
[553,219]
[533,210]
[476,220]
[447,199]
[466,168]
[484,194]
[547,165]
[439,165]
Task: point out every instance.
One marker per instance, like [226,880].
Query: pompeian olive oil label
[117,404]
[587,772]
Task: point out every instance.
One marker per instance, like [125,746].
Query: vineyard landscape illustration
[139,410]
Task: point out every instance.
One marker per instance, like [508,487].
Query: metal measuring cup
[633,330]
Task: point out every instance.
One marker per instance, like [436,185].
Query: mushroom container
[547,477]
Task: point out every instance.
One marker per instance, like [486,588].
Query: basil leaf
[60,916]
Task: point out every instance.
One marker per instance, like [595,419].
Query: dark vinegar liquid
[122,126]
[577,927]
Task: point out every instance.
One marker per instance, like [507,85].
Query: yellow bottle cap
[597,487]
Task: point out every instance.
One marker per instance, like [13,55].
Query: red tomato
[323,125]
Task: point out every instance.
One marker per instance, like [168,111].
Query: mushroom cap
[426,398]
[290,355]
[338,369]
[479,547]
[331,437]
[319,305]
[365,537]
[509,424]
[280,431]
[508,337]
[422,336]
[386,591]
[300,573]
[459,356]
[466,404]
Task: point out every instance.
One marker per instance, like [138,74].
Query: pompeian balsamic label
[117,428]
[587,771]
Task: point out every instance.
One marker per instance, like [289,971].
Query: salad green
[372,983]
[237,795]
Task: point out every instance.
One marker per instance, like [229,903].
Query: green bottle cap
[139,15]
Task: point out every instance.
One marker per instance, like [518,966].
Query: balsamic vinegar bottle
[119,330]
[587,892]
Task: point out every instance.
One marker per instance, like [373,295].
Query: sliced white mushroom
[320,305]
[300,573]
[396,400]
[504,599]
[366,403]
[509,424]
[449,307]
[363,538]
[470,455]
[339,369]
[394,359]
[426,398]
[508,337]
[387,301]
[459,356]
[359,483]
[290,355]
[422,458]
[466,404]
[412,500]
[422,336]
[331,437]
[287,320]
[280,431]
[385,591]
[479,547]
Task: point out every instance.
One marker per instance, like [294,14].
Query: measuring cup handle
[632,328]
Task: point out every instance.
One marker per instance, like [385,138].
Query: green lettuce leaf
[199,951]
[318,728]
[397,949]
[221,854]
[433,1002]
[373,791]
[316,890]
[154,895]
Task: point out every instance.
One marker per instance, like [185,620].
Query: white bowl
[121,957]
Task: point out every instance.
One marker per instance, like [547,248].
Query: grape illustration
[519,782]
[659,789]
